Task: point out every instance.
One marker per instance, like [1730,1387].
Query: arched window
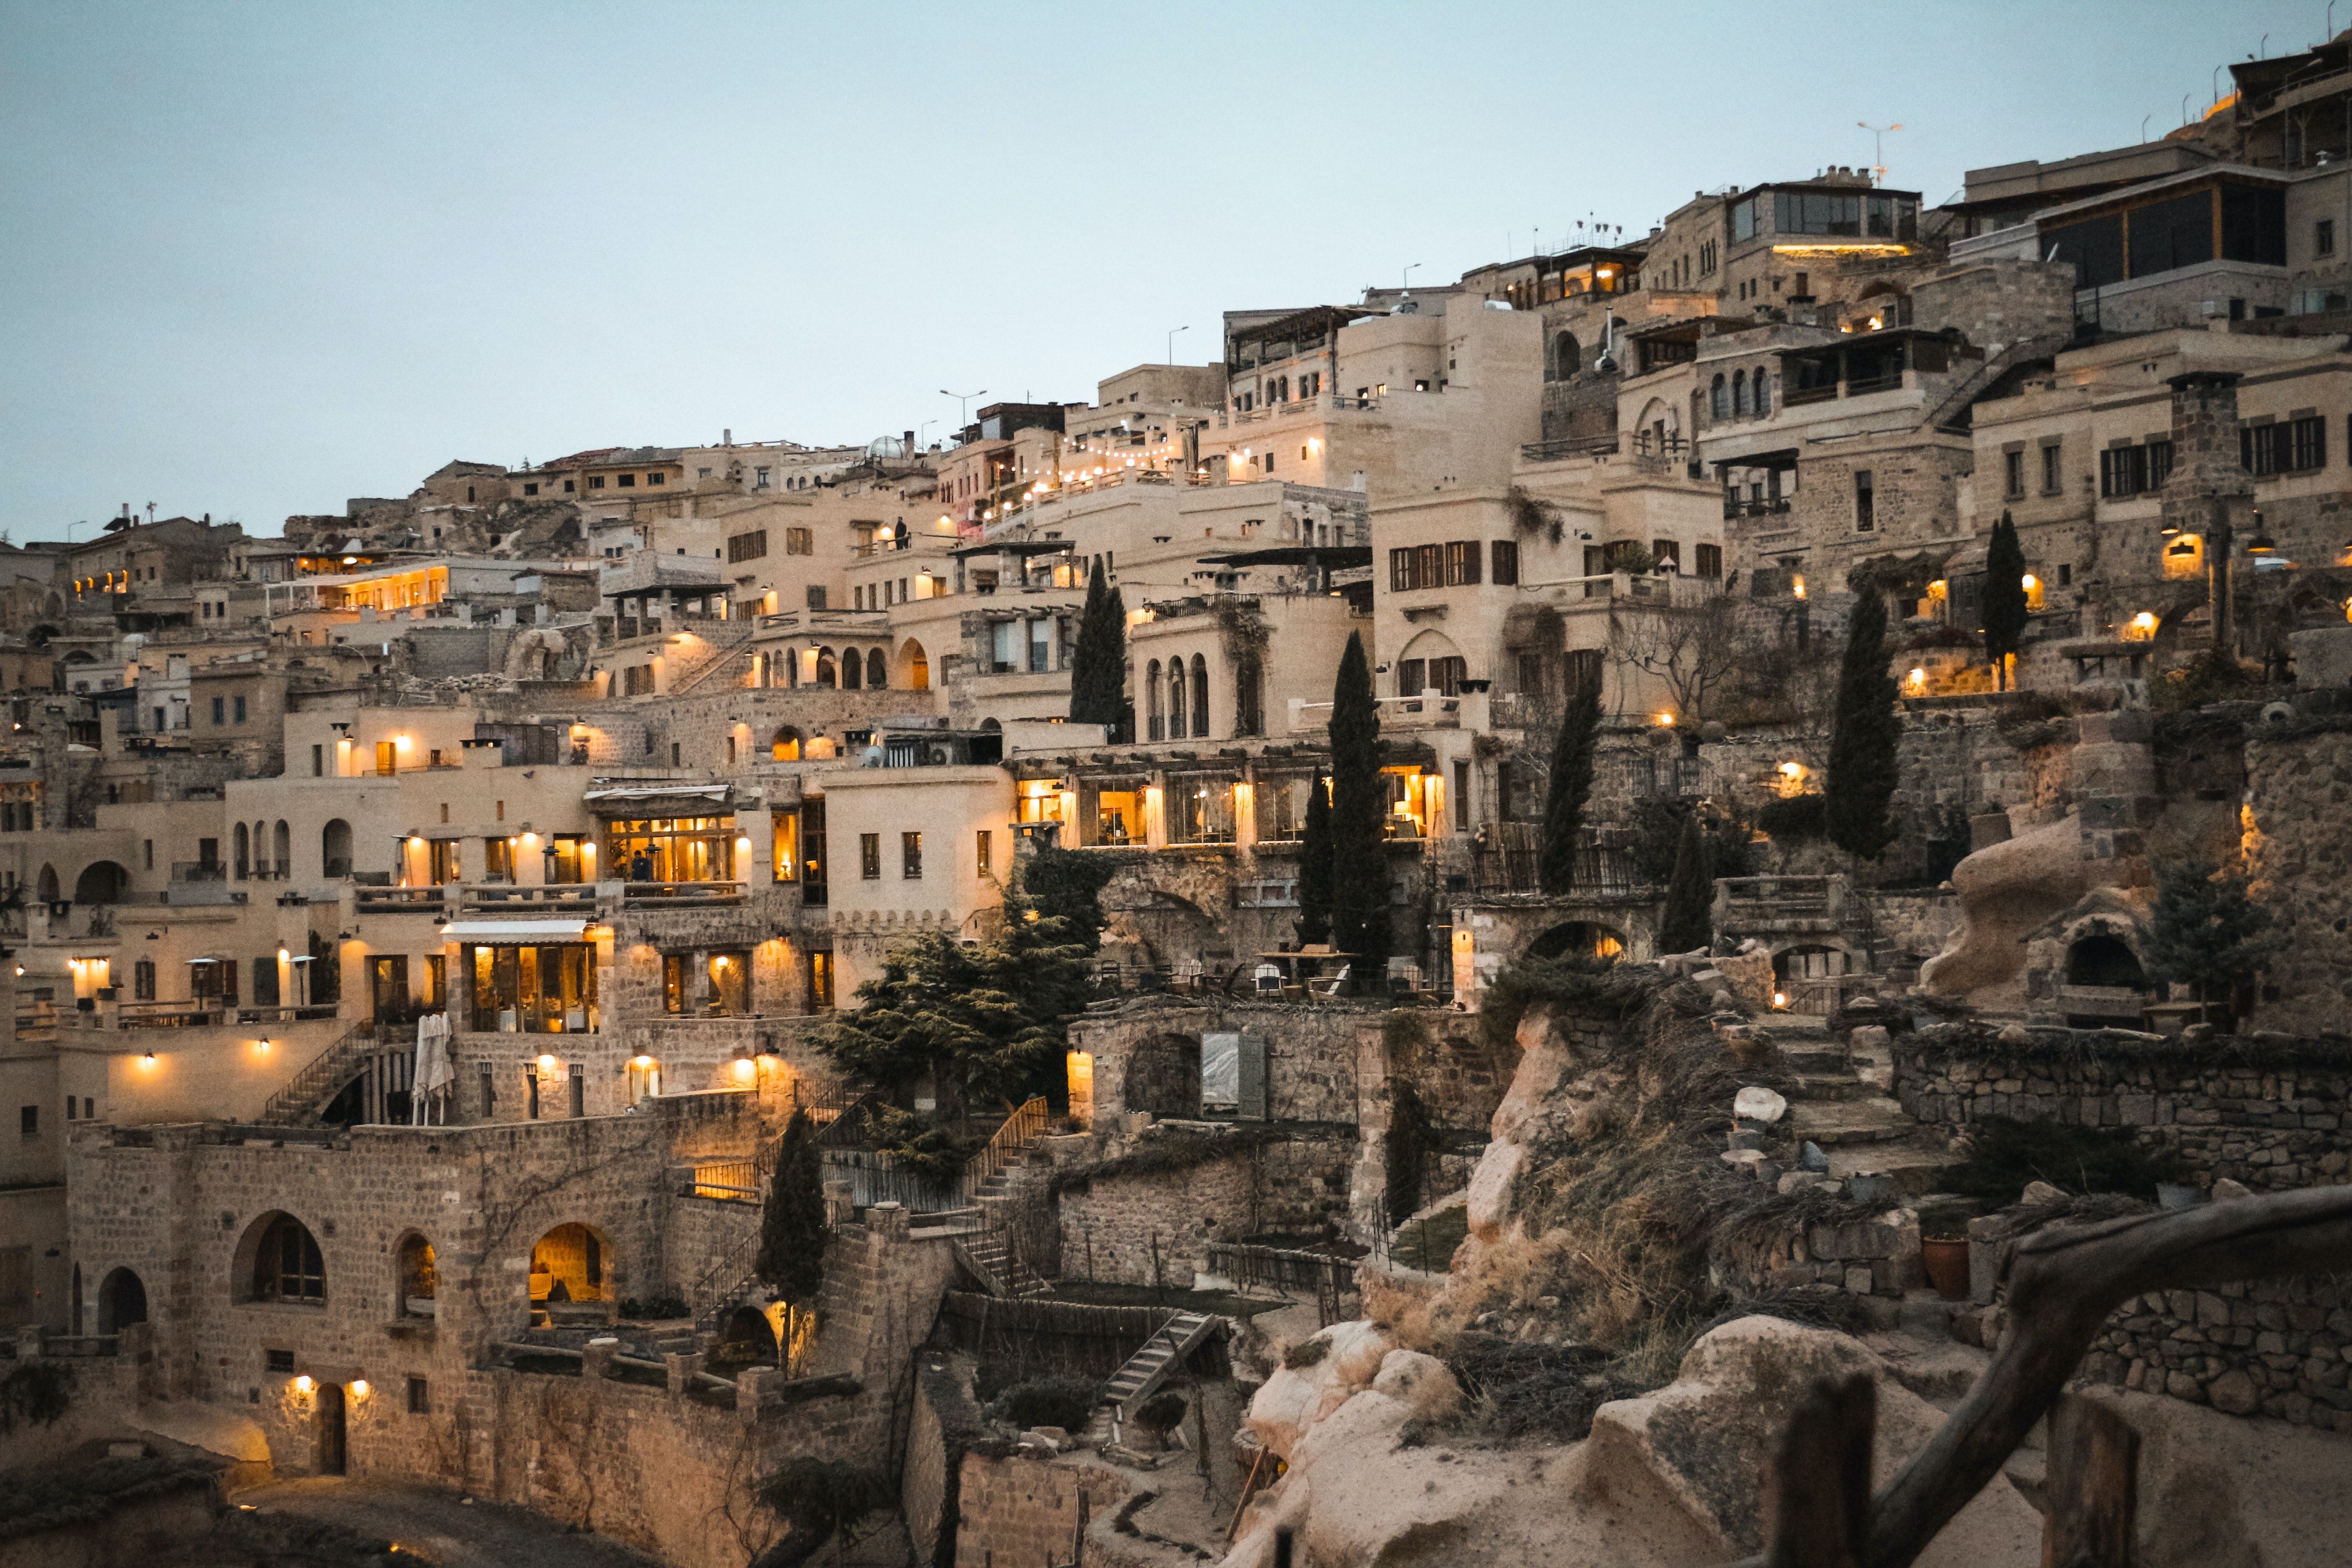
[1199,695]
[419,1280]
[853,671]
[261,849]
[47,885]
[878,673]
[1154,724]
[1760,394]
[122,1301]
[1718,402]
[570,1263]
[281,847]
[784,746]
[1177,727]
[825,674]
[1249,715]
[335,848]
[286,1264]
[914,667]
[244,848]
[1567,357]
[1739,393]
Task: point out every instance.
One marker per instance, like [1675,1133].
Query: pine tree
[1359,862]
[1863,772]
[2203,932]
[1688,923]
[1099,662]
[1570,788]
[1315,864]
[793,1230]
[2004,595]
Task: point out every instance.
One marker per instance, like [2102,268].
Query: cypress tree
[2203,932]
[1862,773]
[1570,788]
[1098,661]
[1359,862]
[791,1260]
[2004,597]
[1315,864]
[1688,923]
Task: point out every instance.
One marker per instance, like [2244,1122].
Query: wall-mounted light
[547,1063]
[303,1384]
[359,1388]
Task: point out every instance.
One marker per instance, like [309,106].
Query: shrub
[1064,1402]
[1795,816]
[2008,1154]
[820,1499]
[653,1307]
[1162,1413]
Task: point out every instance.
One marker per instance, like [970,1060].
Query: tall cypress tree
[1099,662]
[1688,922]
[1570,788]
[2004,597]
[1315,864]
[1862,771]
[1359,862]
[792,1224]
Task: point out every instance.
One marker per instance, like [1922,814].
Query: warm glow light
[1916,680]
[303,1384]
[1665,719]
[1792,769]
[641,1062]
[2028,582]
[400,740]
[359,1388]
[745,1067]
[283,955]
[547,1063]
[149,1060]
[1779,999]
[1797,585]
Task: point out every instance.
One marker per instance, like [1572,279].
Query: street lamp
[1878,147]
[963,404]
[1171,341]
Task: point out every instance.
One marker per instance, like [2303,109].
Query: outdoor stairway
[987,1256]
[726,649]
[307,1093]
[1133,1383]
[1840,1103]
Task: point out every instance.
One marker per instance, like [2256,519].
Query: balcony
[1735,509]
[551,897]
[421,900]
[1569,448]
[681,895]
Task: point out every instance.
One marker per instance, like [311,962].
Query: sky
[259,259]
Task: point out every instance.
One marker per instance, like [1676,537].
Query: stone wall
[2299,860]
[2273,1347]
[2269,1110]
[944,1418]
[1152,1226]
[1027,1510]
[1310,1052]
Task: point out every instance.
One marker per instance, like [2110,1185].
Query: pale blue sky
[256,258]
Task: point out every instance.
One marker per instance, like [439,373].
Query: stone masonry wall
[2299,860]
[1021,1510]
[1310,1051]
[1114,1226]
[2267,1111]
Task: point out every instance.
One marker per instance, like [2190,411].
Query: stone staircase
[1133,1383]
[1840,1103]
[724,649]
[307,1093]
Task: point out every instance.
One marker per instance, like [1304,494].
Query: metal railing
[307,1088]
[1505,858]
[1569,447]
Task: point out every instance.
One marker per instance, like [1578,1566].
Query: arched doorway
[748,1338]
[47,885]
[784,745]
[570,1264]
[878,673]
[2100,958]
[121,1301]
[331,1432]
[278,1260]
[335,848]
[914,667]
[1163,1076]
[418,1285]
[1585,938]
[100,882]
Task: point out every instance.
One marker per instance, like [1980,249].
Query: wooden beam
[1820,1501]
[2094,1470]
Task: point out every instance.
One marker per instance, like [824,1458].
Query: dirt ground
[440,1527]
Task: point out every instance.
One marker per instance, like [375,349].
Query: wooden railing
[1010,1144]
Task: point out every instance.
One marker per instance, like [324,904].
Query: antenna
[1878,148]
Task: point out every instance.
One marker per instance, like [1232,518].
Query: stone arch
[242,859]
[1153,720]
[1567,356]
[415,1285]
[1163,1076]
[877,670]
[1718,398]
[281,845]
[122,1301]
[1591,939]
[277,1260]
[100,882]
[45,886]
[784,745]
[1199,695]
[749,1335]
[914,667]
[853,670]
[2102,957]
[827,673]
[572,1262]
[335,848]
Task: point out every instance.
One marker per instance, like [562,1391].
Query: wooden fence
[1048,1338]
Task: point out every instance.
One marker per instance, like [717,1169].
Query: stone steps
[1870,1119]
[1815,1088]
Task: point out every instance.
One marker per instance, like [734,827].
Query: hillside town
[1377,949]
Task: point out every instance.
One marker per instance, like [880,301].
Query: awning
[634,793]
[516,931]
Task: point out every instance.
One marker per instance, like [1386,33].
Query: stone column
[2207,487]
[683,1370]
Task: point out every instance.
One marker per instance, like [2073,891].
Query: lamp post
[1878,147]
[963,404]
[1171,341]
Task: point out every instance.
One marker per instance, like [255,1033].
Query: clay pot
[1947,1263]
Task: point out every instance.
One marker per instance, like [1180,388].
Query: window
[1041,646]
[420,1397]
[869,857]
[220,709]
[1462,563]
[142,980]
[910,857]
[1744,219]
[533,990]
[286,1266]
[28,1121]
[2289,447]
[2133,470]
[671,850]
[1505,553]
[2322,237]
[800,541]
[749,546]
[317,761]
[819,981]
[1710,560]
[277,1361]
[759,479]
[1719,402]
[595,482]
[2054,473]
[1865,503]
[1739,393]
[982,844]
[2013,474]
[237,710]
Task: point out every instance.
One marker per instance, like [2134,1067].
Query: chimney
[910,444]
[727,438]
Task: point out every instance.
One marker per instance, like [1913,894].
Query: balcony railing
[1569,447]
[654,893]
[1774,506]
[199,871]
[427,899]
[570,898]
